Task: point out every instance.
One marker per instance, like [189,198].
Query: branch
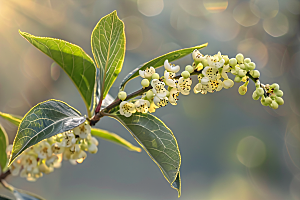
[4,175]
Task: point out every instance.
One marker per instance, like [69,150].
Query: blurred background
[232,147]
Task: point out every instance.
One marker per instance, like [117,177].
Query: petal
[142,73]
[170,83]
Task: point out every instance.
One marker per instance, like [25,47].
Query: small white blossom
[160,102]
[216,85]
[171,68]
[57,148]
[228,83]
[204,80]
[226,68]
[127,108]
[142,105]
[68,139]
[93,148]
[29,162]
[173,96]
[158,88]
[202,88]
[147,73]
[83,130]
[44,149]
[184,85]
[197,56]
[211,73]
[169,78]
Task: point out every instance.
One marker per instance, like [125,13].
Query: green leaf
[4,198]
[156,139]
[73,60]
[3,145]
[114,138]
[159,61]
[44,120]
[21,194]
[15,119]
[108,47]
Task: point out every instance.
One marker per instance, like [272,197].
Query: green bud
[240,58]
[257,84]
[278,93]
[259,91]
[237,79]
[204,62]
[242,90]
[275,86]
[279,101]
[149,95]
[273,105]
[232,62]
[255,73]
[247,60]
[226,59]
[155,76]
[122,95]
[251,66]
[189,68]
[263,101]
[145,82]
[242,73]
[242,66]
[255,96]
[185,74]
[268,100]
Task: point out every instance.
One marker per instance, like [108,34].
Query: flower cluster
[48,154]
[212,71]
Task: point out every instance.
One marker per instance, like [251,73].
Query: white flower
[83,130]
[158,88]
[45,169]
[57,148]
[173,96]
[127,108]
[142,105]
[216,85]
[197,56]
[80,155]
[69,139]
[16,167]
[184,85]
[210,72]
[93,148]
[44,149]
[160,102]
[226,68]
[169,78]
[204,80]
[29,162]
[202,88]
[171,68]
[228,83]
[54,161]
[147,73]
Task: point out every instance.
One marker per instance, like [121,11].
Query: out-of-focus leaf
[3,145]
[44,120]
[159,61]
[21,194]
[73,60]
[177,184]
[4,198]
[114,138]
[157,140]
[15,119]
[108,47]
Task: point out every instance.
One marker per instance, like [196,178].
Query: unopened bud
[122,95]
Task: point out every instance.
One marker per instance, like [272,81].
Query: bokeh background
[232,147]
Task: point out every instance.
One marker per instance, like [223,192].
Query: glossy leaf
[15,119]
[108,47]
[159,61]
[156,139]
[73,60]
[44,120]
[3,145]
[177,184]
[103,134]
[21,194]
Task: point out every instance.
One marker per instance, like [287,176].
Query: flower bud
[255,96]
[242,73]
[251,66]
[247,60]
[145,82]
[185,74]
[275,86]
[279,101]
[255,73]
[155,76]
[242,90]
[228,83]
[237,79]
[237,68]
[204,62]
[242,66]
[278,93]
[122,95]
[232,62]
[93,148]
[268,100]
[240,58]
[260,91]
[273,105]
[204,80]
[149,95]
[226,59]
[189,68]
[257,84]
